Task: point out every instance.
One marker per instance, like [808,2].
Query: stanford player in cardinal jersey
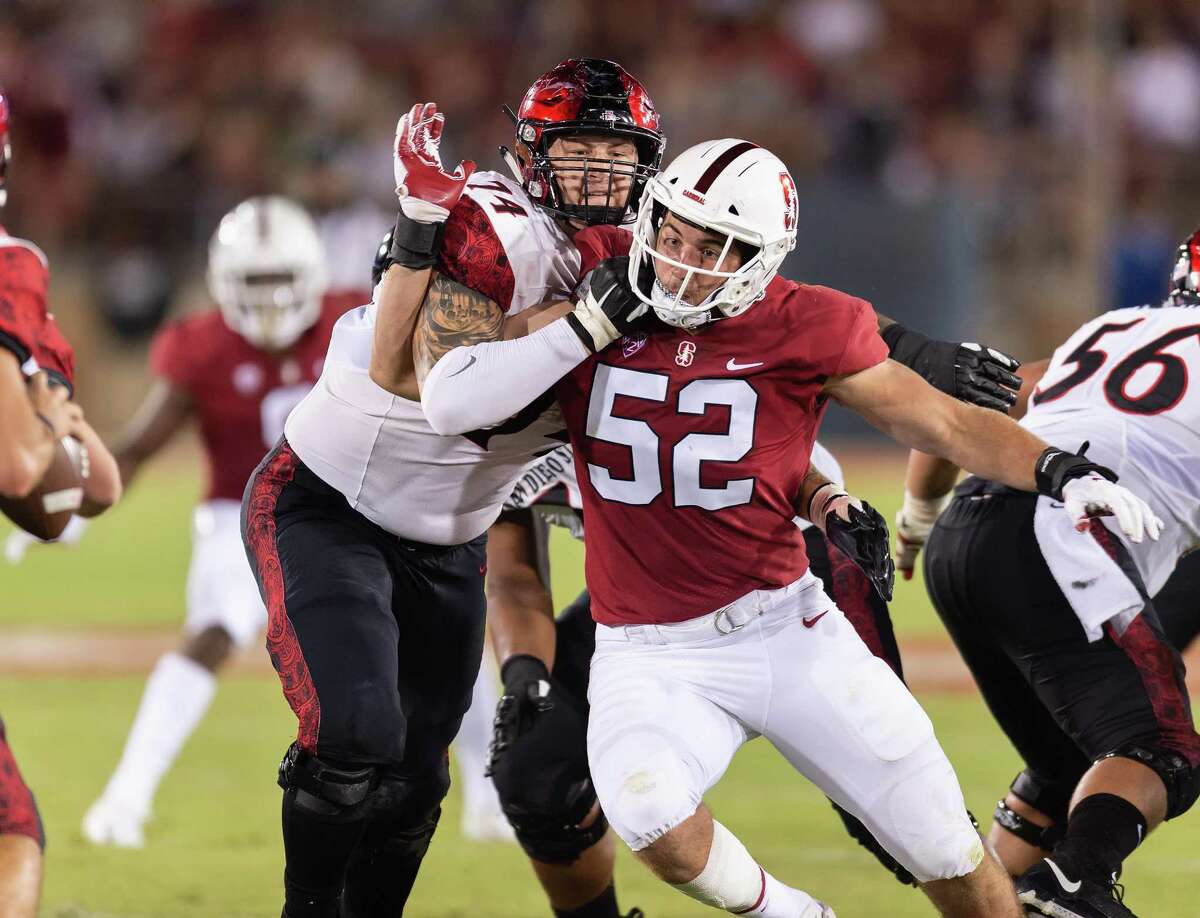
[36,377]
[692,396]
[237,372]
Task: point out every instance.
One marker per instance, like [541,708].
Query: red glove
[427,191]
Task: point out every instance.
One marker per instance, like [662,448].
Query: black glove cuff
[521,669]
[1054,468]
[415,245]
[904,344]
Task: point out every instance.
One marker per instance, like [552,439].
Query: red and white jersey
[1126,383]
[378,449]
[241,394]
[691,446]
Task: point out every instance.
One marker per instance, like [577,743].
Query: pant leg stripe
[273,475]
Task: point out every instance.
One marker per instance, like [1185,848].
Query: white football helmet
[736,189]
[267,272]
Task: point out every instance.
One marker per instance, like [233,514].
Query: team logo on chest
[685,353]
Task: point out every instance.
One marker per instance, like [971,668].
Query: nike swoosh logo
[733,366]
[809,622]
[463,369]
[1066,884]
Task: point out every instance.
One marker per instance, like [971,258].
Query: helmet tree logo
[685,353]
[790,209]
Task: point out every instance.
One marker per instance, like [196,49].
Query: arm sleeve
[481,385]
[864,348]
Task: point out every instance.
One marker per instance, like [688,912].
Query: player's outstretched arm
[162,413]
[930,479]
[34,416]
[987,443]
[481,376]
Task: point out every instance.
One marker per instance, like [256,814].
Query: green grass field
[214,847]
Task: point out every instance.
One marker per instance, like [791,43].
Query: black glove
[969,372]
[859,532]
[526,698]
[1055,467]
[607,307]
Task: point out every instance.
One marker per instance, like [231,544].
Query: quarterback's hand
[859,532]
[914,521]
[526,698]
[1093,496]
[607,308]
[427,192]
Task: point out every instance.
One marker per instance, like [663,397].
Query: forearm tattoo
[452,316]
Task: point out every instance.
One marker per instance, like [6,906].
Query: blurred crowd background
[983,168]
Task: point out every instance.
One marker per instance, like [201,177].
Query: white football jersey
[378,450]
[1122,383]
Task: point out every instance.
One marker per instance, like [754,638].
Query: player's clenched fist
[427,192]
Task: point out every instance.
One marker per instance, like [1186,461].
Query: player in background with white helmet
[676,689]
[36,412]
[235,371]
[1059,629]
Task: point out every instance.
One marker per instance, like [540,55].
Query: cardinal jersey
[241,395]
[376,448]
[1122,382]
[690,447]
[26,328]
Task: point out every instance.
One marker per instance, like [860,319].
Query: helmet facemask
[739,289]
[272,308]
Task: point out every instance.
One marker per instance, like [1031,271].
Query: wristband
[415,244]
[1054,468]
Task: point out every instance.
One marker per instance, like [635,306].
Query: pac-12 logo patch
[631,344]
[685,353]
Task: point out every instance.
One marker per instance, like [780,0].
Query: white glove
[914,521]
[19,540]
[1094,496]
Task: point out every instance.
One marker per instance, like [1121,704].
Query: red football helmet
[1185,279]
[584,96]
[5,147]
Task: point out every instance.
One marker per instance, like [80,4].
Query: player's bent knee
[410,801]
[933,834]
[325,788]
[648,802]
[1181,779]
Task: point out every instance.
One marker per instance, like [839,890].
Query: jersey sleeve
[24,279]
[55,354]
[597,243]
[472,254]
[170,356]
[863,348]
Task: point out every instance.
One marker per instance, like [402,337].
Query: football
[46,511]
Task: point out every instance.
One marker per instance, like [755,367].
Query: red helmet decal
[555,96]
[3,113]
[645,115]
[1193,247]
[790,206]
